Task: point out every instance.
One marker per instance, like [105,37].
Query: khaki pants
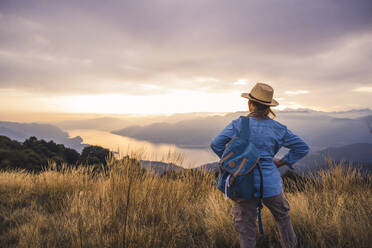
[245,216]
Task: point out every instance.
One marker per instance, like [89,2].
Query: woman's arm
[218,143]
[279,163]
[298,149]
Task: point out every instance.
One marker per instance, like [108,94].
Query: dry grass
[128,208]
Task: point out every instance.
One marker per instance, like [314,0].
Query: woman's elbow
[306,149]
[215,148]
[302,150]
[212,146]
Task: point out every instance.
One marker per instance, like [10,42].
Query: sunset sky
[170,56]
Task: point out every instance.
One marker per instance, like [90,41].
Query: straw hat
[262,93]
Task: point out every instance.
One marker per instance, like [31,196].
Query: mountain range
[115,122]
[357,155]
[319,129]
[47,132]
[159,167]
[102,123]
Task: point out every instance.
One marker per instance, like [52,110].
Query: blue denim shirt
[268,136]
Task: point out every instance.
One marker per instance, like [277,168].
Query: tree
[34,154]
[94,155]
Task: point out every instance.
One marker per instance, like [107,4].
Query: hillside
[23,131]
[102,123]
[194,133]
[160,167]
[320,130]
[33,154]
[359,155]
[126,207]
[115,122]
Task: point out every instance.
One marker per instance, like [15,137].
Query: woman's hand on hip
[279,163]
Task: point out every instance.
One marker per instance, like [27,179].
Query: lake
[187,158]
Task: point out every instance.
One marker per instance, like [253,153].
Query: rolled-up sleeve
[297,148]
[218,143]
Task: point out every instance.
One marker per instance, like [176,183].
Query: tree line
[34,154]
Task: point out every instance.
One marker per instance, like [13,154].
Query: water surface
[184,157]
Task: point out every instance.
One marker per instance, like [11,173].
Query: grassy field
[125,207]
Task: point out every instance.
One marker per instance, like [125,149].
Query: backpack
[236,179]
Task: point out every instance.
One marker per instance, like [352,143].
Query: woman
[268,136]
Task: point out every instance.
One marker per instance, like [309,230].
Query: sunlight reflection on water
[187,158]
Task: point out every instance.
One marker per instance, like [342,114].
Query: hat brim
[273,102]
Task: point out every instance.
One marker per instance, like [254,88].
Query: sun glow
[175,102]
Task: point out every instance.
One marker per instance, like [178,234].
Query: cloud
[143,48]
[206,79]
[241,81]
[296,92]
[363,89]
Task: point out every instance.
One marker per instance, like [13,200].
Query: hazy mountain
[319,129]
[115,122]
[210,167]
[22,131]
[159,167]
[354,113]
[195,133]
[359,154]
[102,123]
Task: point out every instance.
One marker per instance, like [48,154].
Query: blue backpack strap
[244,130]
[260,206]
[244,133]
[260,227]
